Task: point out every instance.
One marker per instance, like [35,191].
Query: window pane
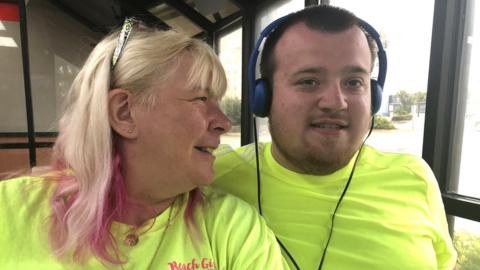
[467,243]
[43,156]
[407,43]
[58,47]
[13,119]
[13,160]
[275,11]
[230,54]
[266,16]
[469,108]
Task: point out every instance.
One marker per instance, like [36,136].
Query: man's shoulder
[219,201]
[235,171]
[246,153]
[404,164]
[235,161]
[215,196]
[388,159]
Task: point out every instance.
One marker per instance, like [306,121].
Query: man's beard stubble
[307,162]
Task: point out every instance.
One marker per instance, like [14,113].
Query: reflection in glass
[13,160]
[43,156]
[65,73]
[13,117]
[57,48]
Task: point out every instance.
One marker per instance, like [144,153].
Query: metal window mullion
[248,33]
[27,82]
[442,80]
[459,99]
[26,145]
[462,206]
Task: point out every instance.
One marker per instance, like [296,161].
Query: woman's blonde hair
[90,189]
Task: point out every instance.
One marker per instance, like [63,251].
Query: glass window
[468,108]
[407,43]
[13,119]
[12,160]
[57,49]
[466,239]
[265,17]
[44,156]
[230,54]
[275,11]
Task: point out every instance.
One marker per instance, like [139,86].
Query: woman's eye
[203,99]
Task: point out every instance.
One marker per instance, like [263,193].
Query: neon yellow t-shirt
[234,236]
[392,216]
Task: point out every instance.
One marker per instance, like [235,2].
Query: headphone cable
[338,204]
[259,203]
[345,191]
[255,135]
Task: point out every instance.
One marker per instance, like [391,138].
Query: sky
[407,26]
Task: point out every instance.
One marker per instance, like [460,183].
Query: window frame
[441,147]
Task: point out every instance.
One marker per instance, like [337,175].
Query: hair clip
[122,40]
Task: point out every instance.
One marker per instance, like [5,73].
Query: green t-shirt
[234,236]
[392,215]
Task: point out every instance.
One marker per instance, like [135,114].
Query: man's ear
[120,103]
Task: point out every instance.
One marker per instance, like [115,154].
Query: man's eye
[354,83]
[308,82]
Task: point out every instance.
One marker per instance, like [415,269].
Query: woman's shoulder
[237,231]
[221,209]
[18,183]
[25,190]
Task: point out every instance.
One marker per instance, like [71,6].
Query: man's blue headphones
[260,95]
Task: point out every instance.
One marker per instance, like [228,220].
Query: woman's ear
[120,113]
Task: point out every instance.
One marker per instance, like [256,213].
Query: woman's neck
[138,212]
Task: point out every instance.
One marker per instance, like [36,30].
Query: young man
[318,64]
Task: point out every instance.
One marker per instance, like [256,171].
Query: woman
[135,143]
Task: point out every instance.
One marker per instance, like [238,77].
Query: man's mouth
[328,126]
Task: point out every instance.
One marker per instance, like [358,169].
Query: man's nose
[332,98]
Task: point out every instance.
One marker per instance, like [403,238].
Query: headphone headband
[260,94]
[381,54]
[252,62]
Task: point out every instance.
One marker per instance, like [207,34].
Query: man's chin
[327,160]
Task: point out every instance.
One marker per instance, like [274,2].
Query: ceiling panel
[175,19]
